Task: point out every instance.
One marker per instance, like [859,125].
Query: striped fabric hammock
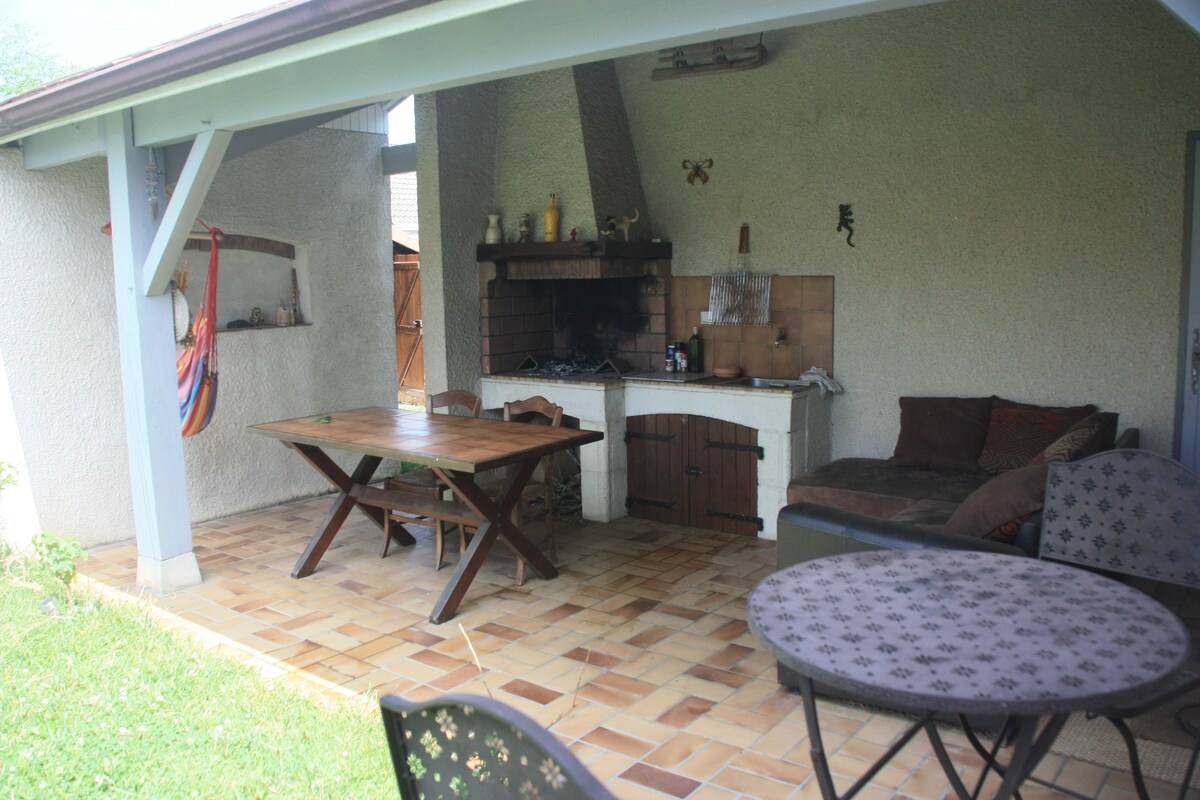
[196,363]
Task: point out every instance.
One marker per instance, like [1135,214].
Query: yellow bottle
[551,221]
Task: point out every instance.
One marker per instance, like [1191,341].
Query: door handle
[416,323]
[695,472]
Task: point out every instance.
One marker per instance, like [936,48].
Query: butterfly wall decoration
[696,170]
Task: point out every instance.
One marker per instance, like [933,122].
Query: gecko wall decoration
[846,222]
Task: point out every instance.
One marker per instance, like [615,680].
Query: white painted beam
[1188,12]
[399,158]
[75,142]
[198,172]
[146,338]
[498,42]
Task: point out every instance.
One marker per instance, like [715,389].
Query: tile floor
[637,656]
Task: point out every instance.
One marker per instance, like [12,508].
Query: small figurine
[608,228]
[626,221]
[573,234]
[523,228]
[845,222]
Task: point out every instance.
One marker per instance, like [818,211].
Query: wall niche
[254,272]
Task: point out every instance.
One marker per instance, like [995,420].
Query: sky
[88,33]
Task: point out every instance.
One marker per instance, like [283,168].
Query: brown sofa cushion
[874,487]
[1018,431]
[942,432]
[1089,436]
[997,508]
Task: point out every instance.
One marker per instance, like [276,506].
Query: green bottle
[695,352]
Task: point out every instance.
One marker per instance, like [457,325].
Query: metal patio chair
[1134,513]
[468,746]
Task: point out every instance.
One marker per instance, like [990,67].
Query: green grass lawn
[98,700]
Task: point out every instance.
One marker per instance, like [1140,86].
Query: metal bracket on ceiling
[720,55]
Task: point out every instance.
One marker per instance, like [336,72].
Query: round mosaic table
[965,632]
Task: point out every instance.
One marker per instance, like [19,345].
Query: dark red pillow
[942,432]
[1017,432]
[996,509]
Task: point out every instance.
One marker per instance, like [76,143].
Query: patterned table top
[966,631]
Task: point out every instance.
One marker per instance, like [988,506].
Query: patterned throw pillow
[1017,432]
[1089,436]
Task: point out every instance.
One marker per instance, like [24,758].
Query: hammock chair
[196,362]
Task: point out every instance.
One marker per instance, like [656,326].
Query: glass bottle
[695,351]
[551,221]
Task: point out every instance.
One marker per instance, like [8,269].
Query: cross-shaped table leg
[498,522]
[342,504]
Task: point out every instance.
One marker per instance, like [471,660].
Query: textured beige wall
[565,131]
[456,140]
[1016,174]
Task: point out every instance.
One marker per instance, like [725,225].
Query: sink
[767,383]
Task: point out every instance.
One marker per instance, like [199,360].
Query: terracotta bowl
[727,372]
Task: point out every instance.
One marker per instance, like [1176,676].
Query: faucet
[779,337]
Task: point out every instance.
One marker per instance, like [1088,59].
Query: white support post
[202,163]
[145,332]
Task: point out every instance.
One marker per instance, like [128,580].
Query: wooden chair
[423,482]
[536,409]
[465,746]
[541,484]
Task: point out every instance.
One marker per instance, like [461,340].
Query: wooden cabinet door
[655,458]
[723,476]
[693,470]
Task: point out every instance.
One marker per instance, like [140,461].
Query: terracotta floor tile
[655,778]
[619,742]
[638,655]
[538,694]
[685,712]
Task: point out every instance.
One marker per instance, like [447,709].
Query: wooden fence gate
[410,352]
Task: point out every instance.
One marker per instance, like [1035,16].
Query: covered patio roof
[252,81]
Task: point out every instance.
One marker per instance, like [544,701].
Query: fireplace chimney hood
[575,260]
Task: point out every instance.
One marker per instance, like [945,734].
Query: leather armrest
[1129,439]
[807,531]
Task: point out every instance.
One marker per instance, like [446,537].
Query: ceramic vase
[552,221]
[493,234]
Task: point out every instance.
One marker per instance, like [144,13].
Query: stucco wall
[57,307]
[456,142]
[1016,174]
[322,190]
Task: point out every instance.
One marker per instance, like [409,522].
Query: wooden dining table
[455,448]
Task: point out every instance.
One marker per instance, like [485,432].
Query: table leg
[817,748]
[1029,748]
[322,463]
[498,522]
[341,505]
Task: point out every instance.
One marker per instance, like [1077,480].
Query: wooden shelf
[556,250]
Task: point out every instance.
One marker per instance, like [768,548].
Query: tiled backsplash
[801,306]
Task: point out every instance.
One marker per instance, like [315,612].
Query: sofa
[970,467]
[966,473]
